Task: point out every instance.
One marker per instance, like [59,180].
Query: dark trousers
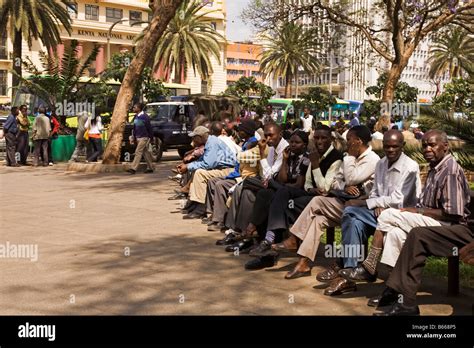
[422,242]
[216,197]
[22,146]
[96,144]
[10,140]
[41,148]
[50,156]
[238,216]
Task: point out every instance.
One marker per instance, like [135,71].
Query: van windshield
[167,112]
[279,106]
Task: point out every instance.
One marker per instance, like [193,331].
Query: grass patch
[436,267]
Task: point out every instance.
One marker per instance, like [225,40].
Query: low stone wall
[101,168]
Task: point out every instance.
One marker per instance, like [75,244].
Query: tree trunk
[162,16]
[393,77]
[17,53]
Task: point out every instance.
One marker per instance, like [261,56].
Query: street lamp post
[109,33]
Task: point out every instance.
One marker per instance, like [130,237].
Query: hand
[355,203]
[265,183]
[378,211]
[286,153]
[352,190]
[262,144]
[314,158]
[317,192]
[182,168]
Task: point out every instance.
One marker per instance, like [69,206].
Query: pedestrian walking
[94,126]
[142,135]
[10,129]
[81,142]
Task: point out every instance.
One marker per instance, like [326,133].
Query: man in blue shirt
[354,121]
[10,128]
[142,135]
[218,160]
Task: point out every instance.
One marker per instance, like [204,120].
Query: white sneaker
[50,163]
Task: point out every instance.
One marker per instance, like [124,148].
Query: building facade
[91,22]
[243,59]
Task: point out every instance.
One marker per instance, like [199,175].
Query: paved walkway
[109,244]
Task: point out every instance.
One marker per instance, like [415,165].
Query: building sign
[90,33]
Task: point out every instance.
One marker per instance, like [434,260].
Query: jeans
[358,224]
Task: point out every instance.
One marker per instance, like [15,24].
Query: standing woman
[94,125]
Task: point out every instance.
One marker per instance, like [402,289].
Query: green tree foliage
[253,95]
[58,79]
[289,48]
[452,52]
[457,97]
[404,93]
[317,99]
[189,40]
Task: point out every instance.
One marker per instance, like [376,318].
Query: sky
[236,29]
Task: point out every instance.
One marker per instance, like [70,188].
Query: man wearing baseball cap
[217,161]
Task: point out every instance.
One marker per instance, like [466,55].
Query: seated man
[218,188]
[397,184]
[444,201]
[354,178]
[218,161]
[271,149]
[405,278]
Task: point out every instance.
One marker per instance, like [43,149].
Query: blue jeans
[358,224]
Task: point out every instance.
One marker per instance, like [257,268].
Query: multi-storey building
[91,22]
[243,59]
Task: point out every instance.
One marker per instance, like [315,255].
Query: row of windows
[3,46]
[111,14]
[251,62]
[304,80]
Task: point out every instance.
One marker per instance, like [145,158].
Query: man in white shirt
[355,178]
[307,120]
[397,185]
[270,116]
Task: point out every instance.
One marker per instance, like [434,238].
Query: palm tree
[290,48]
[58,77]
[38,19]
[189,39]
[452,52]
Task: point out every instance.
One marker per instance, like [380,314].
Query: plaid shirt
[447,188]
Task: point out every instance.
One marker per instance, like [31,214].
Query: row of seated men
[272,196]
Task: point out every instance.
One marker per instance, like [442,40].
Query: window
[3,46]
[72,10]
[135,16]
[3,82]
[92,12]
[113,14]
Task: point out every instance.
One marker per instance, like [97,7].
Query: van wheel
[157,149]
[182,152]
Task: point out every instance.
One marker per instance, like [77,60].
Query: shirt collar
[399,164]
[442,163]
[365,153]
[326,154]
[140,113]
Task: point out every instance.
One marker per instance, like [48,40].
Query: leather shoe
[190,216]
[263,249]
[329,274]
[206,220]
[388,298]
[295,273]
[215,227]
[358,273]
[340,286]
[240,246]
[261,263]
[228,240]
[398,310]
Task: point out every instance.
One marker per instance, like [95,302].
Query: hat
[248,127]
[200,130]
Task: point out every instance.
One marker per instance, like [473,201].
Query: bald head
[393,142]
[442,136]
[395,135]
